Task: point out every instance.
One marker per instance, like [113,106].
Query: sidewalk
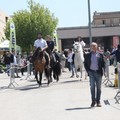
[69,99]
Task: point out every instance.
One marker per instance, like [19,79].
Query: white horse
[79,57]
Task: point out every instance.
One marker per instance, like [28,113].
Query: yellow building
[3,21]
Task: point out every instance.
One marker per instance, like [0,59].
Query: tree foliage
[29,22]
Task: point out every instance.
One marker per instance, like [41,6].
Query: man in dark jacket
[94,65]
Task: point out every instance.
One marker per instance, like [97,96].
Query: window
[103,22]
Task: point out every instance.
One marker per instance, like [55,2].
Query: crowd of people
[94,62]
[16,60]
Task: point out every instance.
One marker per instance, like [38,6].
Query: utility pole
[90,28]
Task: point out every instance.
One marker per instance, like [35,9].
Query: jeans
[63,65]
[72,67]
[69,66]
[8,68]
[95,86]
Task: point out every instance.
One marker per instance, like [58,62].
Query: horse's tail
[47,72]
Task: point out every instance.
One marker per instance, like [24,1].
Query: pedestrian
[63,59]
[71,62]
[22,64]
[30,61]
[7,62]
[95,65]
[13,61]
[117,53]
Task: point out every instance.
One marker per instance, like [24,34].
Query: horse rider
[50,44]
[40,42]
[50,50]
[79,39]
[82,43]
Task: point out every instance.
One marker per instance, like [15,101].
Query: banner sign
[55,39]
[12,36]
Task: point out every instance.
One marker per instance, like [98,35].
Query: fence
[12,73]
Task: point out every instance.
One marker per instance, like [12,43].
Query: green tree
[29,22]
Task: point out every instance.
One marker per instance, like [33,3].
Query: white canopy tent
[4,46]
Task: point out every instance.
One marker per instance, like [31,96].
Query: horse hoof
[37,82]
[57,80]
[77,76]
[40,84]
[51,80]
[48,83]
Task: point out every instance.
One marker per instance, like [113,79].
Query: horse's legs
[49,79]
[50,74]
[40,79]
[36,76]
[47,74]
[57,77]
[76,72]
[81,73]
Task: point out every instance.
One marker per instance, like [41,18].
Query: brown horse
[40,67]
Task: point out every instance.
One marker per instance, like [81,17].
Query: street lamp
[90,28]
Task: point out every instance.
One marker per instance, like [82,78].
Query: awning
[4,46]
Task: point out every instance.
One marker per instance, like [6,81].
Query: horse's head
[76,47]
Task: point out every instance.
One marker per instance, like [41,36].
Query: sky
[70,13]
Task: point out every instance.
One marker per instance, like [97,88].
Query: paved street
[69,99]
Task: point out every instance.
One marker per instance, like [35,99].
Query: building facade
[105,31]
[106,18]
[3,21]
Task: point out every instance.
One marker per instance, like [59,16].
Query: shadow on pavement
[28,87]
[113,105]
[31,87]
[32,80]
[79,108]
[3,87]
[106,102]
[71,81]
